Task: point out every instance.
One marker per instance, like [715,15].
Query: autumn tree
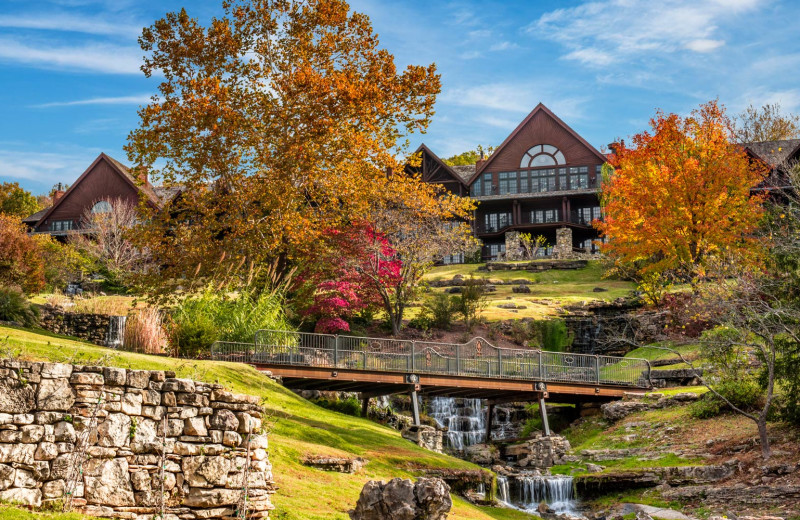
[767,123]
[468,157]
[21,260]
[280,120]
[14,200]
[680,195]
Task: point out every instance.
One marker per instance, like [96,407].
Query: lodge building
[544,179]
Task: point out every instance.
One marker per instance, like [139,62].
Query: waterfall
[382,402]
[502,489]
[529,491]
[465,420]
[116,331]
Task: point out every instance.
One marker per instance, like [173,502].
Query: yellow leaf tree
[278,121]
[681,196]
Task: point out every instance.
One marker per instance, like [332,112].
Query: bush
[744,393]
[201,320]
[144,332]
[349,406]
[471,300]
[436,312]
[552,335]
[15,307]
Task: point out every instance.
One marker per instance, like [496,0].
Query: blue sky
[71,85]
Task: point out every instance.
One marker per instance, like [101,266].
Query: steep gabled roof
[449,169]
[538,109]
[116,166]
[774,153]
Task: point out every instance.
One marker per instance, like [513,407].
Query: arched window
[102,206]
[542,155]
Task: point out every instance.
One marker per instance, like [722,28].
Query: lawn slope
[298,427]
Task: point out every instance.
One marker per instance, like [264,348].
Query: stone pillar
[513,246]
[563,248]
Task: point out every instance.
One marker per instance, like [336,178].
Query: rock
[427,437]
[55,395]
[224,420]
[64,432]
[540,452]
[205,471]
[481,454]
[521,289]
[114,431]
[401,499]
[593,468]
[16,397]
[543,508]
[28,497]
[599,289]
[616,410]
[17,453]
[108,482]
[195,426]
[6,476]
[200,497]
[114,376]
[657,512]
[139,378]
[338,464]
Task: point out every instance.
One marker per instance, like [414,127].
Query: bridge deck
[477,369]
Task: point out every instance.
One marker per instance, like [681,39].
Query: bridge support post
[415,407]
[543,412]
[364,406]
[489,415]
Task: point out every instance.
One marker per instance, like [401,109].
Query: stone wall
[109,440]
[90,327]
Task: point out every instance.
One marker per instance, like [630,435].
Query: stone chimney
[480,161]
[57,194]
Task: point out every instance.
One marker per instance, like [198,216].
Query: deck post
[336,350]
[364,406]
[489,415]
[543,412]
[415,407]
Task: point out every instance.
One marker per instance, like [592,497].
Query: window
[496,221]
[102,206]
[495,250]
[544,216]
[475,189]
[579,177]
[542,155]
[587,215]
[502,181]
[487,185]
[454,259]
[60,225]
[523,182]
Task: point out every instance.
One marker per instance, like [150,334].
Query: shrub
[438,312]
[348,406]
[744,393]
[21,262]
[471,300]
[144,332]
[15,307]
[552,335]
[199,321]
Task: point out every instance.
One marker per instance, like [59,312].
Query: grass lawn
[550,289]
[16,513]
[299,428]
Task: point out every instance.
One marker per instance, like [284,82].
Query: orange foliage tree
[279,121]
[681,196]
[21,259]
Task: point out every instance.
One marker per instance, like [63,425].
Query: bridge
[476,369]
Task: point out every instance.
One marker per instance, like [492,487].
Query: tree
[767,123]
[681,196]
[531,244]
[16,201]
[108,239]
[468,157]
[21,260]
[280,120]
[417,238]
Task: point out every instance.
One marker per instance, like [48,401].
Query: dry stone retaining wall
[90,327]
[124,432]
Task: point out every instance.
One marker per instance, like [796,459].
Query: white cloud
[44,168]
[503,46]
[601,32]
[71,23]
[142,99]
[94,57]
[513,98]
[704,45]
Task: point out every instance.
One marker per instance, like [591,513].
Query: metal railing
[477,358]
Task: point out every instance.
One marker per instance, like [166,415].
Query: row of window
[493,222]
[61,225]
[534,181]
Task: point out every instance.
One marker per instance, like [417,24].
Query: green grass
[550,289]
[653,353]
[8,512]
[680,390]
[299,428]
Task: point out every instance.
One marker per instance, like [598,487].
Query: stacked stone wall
[89,327]
[108,440]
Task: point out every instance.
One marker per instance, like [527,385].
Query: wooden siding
[102,182]
[542,129]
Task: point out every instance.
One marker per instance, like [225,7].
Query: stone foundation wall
[111,439]
[90,327]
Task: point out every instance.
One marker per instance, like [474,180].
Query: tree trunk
[764,438]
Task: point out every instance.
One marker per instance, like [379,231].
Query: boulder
[108,482]
[206,472]
[115,431]
[481,454]
[401,499]
[427,437]
[16,397]
[55,395]
[224,420]
[616,410]
[28,497]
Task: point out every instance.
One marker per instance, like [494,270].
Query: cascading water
[116,331]
[465,420]
[526,492]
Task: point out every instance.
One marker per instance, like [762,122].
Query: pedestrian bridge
[476,369]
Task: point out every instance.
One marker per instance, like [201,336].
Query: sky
[70,83]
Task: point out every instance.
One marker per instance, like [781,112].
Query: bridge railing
[477,358]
